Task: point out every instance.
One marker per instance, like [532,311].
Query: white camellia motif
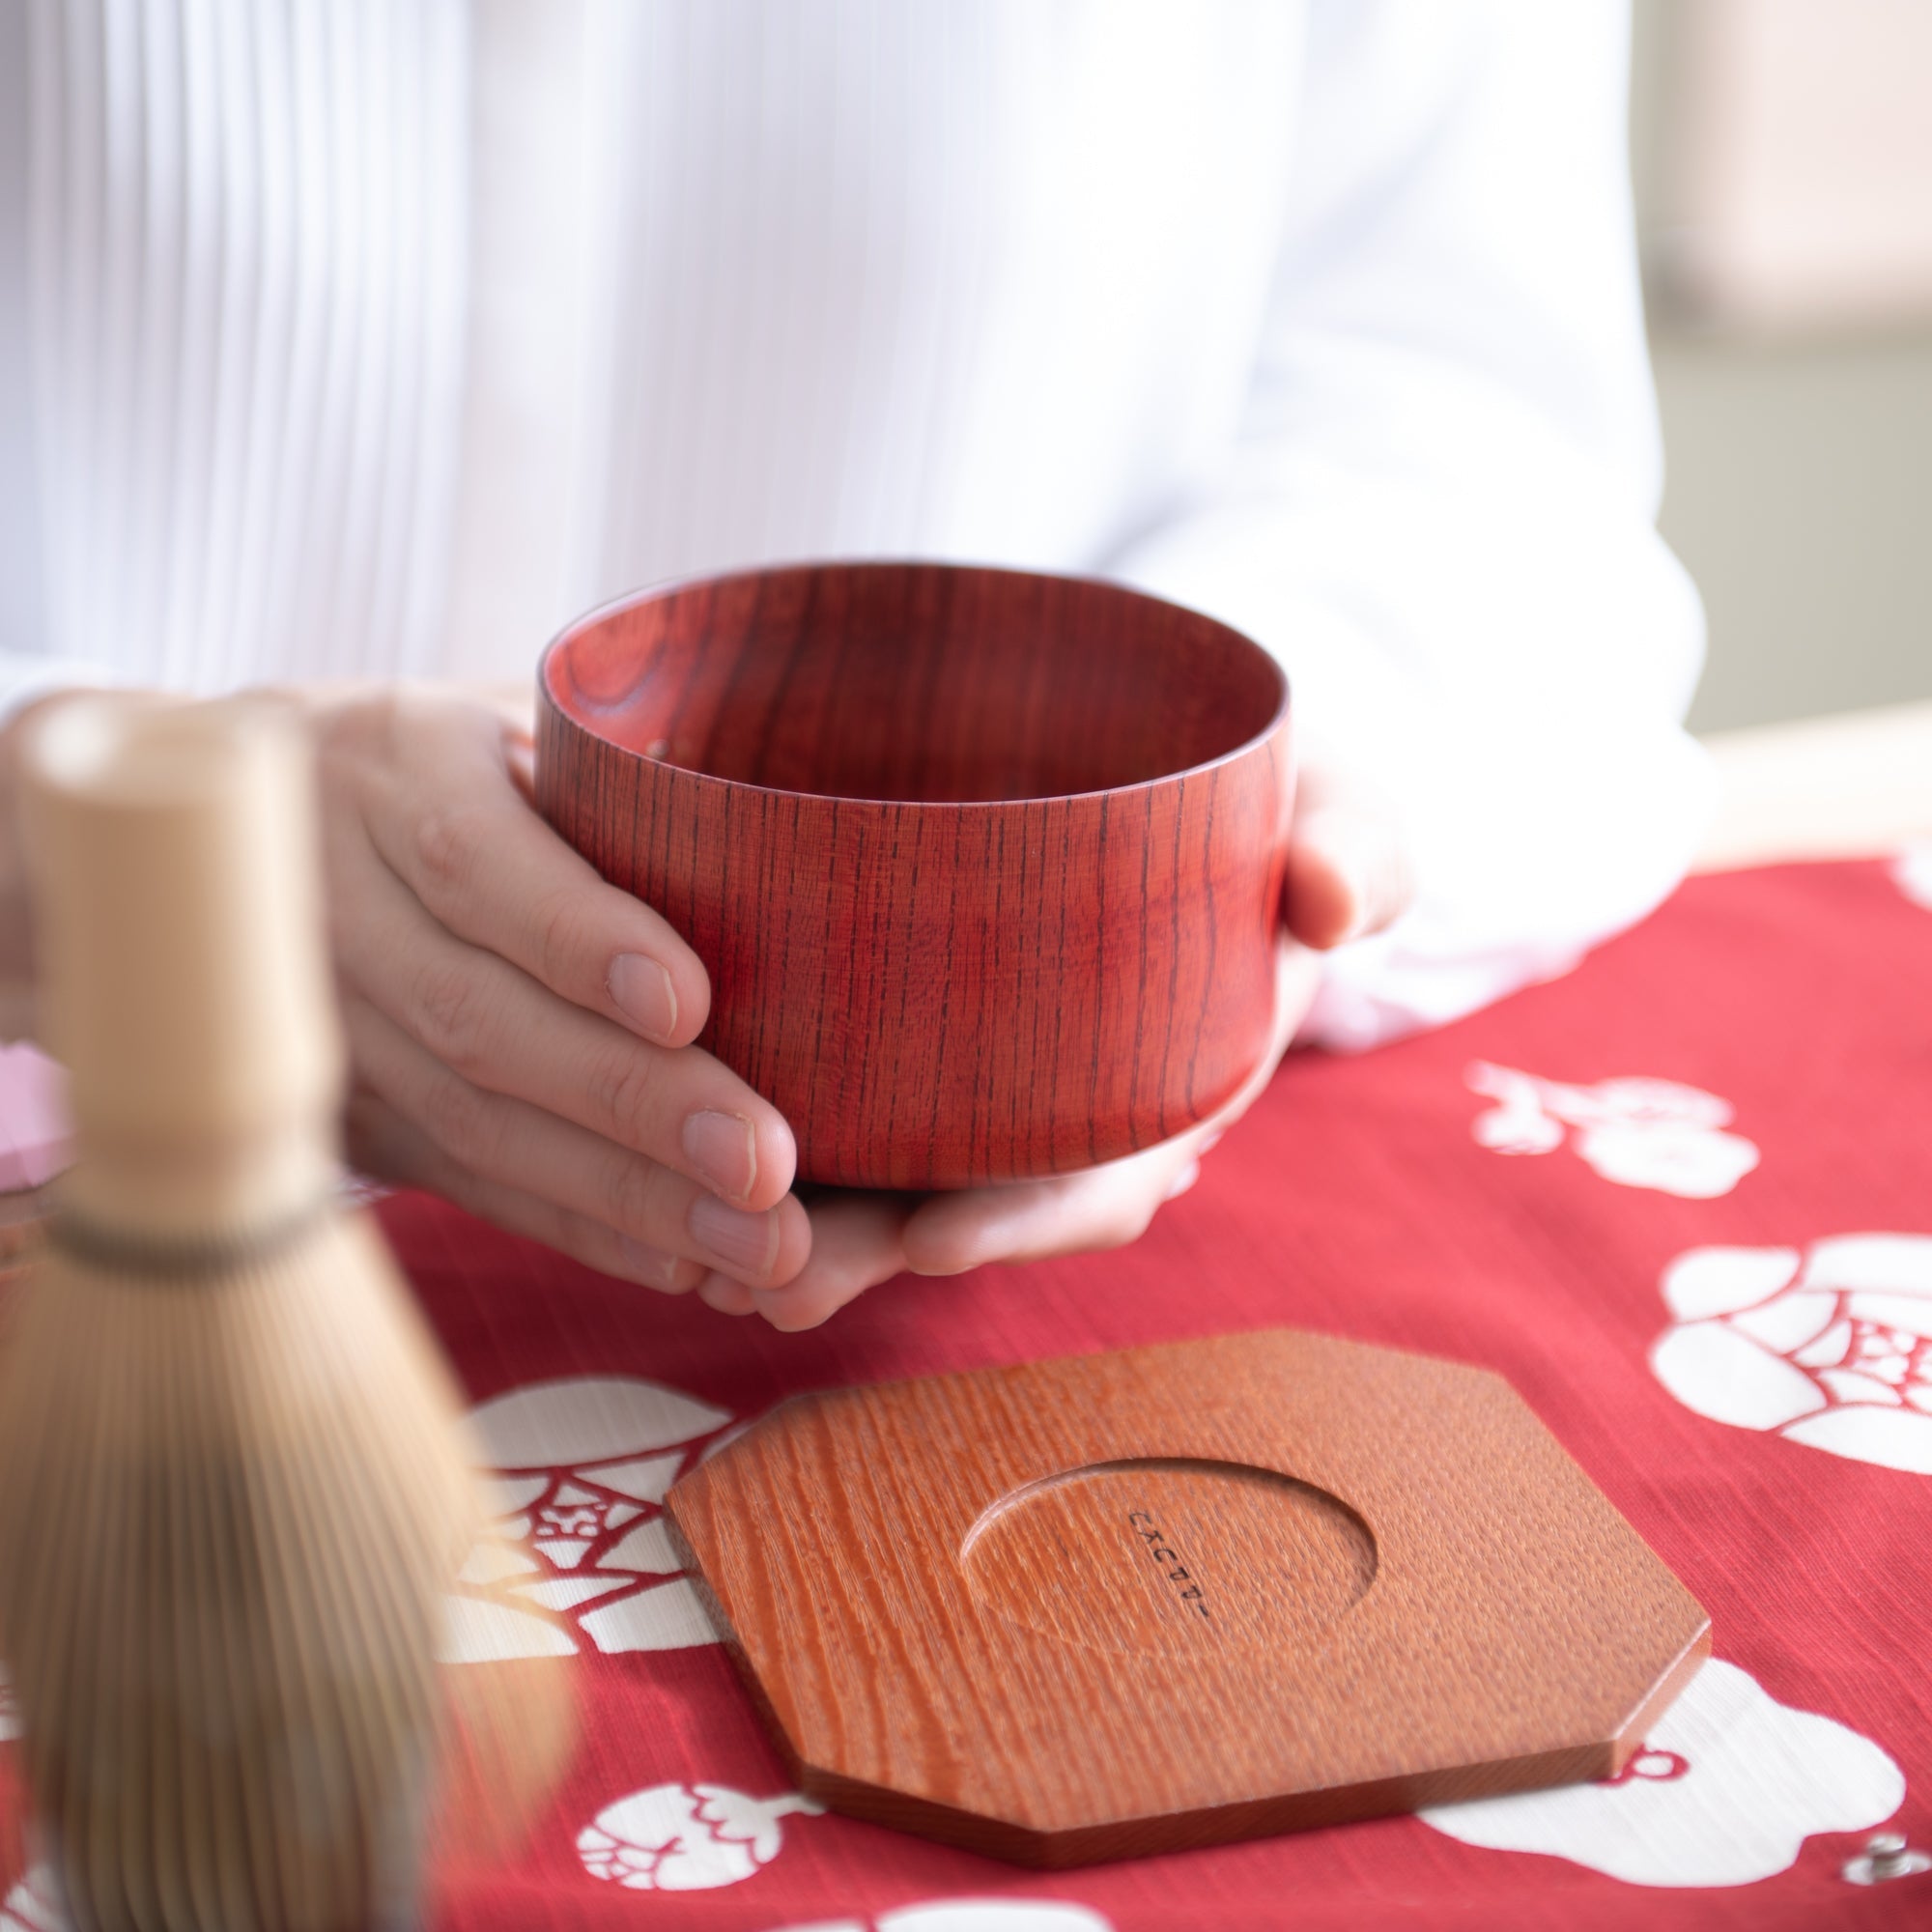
[971,1914]
[580,1557]
[1912,871]
[687,1838]
[32,1905]
[709,1837]
[1639,1133]
[1729,1785]
[1831,1348]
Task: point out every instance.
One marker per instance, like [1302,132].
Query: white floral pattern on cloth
[580,1557]
[32,1905]
[1911,872]
[1639,1133]
[687,1838]
[1831,1348]
[1729,1785]
[971,1914]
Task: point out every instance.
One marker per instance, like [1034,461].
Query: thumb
[1348,871]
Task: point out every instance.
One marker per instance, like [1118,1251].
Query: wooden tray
[1116,1604]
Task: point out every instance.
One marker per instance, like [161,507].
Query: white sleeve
[1440,509]
[28,666]
[22,671]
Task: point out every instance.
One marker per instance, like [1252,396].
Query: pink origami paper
[34,1131]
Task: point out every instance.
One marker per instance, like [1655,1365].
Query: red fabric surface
[1357,1199]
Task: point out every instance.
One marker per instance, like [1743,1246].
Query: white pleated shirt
[348,338]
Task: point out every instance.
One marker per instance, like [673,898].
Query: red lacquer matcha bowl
[985,865]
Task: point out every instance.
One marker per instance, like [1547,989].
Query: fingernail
[745,1243]
[656,1267]
[645,994]
[723,1149]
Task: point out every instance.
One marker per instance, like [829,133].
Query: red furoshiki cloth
[1717,1293]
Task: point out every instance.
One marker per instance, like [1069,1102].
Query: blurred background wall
[1783,151]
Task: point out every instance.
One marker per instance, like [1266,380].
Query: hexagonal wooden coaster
[1125,1604]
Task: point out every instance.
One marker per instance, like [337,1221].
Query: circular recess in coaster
[1171,1556]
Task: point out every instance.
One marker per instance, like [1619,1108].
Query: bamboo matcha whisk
[233,1485]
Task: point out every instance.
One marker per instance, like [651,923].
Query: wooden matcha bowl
[985,866]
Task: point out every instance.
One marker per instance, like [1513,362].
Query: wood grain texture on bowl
[985,865]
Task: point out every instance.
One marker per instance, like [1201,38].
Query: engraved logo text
[1161,1551]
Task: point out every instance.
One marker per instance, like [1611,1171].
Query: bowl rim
[701,580]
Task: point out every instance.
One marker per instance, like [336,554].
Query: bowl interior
[916,682]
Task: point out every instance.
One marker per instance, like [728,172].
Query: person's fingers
[1027,1220]
[501,1144]
[1183,1180]
[1345,878]
[860,1239]
[1101,1206]
[856,1243]
[448,816]
[499,1029]
[1297,978]
[514,700]
[1347,864]
[391,1149]
[725,1295]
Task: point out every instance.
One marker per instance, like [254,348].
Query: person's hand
[1347,876]
[519,1030]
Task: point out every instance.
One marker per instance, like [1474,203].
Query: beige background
[1799,465]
